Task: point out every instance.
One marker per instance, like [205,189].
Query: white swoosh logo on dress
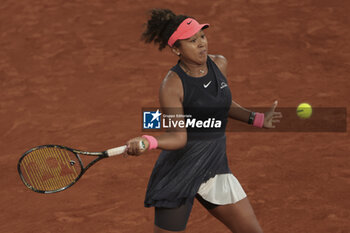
[206,85]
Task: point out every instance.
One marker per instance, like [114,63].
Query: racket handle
[121,149]
[116,151]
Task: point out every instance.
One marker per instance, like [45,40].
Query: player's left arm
[271,117]
[240,113]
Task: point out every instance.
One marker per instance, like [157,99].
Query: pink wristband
[153,143]
[259,120]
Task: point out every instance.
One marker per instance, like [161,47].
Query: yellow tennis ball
[304,110]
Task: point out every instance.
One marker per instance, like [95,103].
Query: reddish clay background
[76,73]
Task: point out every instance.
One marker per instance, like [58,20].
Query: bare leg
[238,217]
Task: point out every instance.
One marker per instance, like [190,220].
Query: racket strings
[50,168]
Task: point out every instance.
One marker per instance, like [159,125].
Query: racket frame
[100,155]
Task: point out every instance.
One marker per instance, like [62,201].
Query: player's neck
[194,70]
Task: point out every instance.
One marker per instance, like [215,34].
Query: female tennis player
[193,163]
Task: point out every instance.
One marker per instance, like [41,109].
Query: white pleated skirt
[222,189]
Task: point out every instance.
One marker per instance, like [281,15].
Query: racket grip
[116,151]
[121,149]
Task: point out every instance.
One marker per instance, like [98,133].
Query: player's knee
[250,229]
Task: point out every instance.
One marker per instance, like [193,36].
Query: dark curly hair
[162,24]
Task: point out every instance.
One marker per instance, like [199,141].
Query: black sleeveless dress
[178,174]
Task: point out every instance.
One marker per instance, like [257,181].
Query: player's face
[195,48]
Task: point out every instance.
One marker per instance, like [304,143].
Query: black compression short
[175,219]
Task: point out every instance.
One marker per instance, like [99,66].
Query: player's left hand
[272,117]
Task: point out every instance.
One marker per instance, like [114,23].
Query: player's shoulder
[171,79]
[171,84]
[220,61]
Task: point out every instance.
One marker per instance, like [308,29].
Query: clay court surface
[75,73]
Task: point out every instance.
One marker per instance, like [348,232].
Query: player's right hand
[137,146]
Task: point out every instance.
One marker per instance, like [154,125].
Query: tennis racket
[54,168]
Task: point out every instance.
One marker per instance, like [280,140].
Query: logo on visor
[189,22]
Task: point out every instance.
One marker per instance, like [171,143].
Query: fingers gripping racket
[54,168]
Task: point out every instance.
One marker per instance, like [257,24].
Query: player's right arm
[170,97]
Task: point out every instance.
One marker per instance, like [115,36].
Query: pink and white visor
[186,29]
